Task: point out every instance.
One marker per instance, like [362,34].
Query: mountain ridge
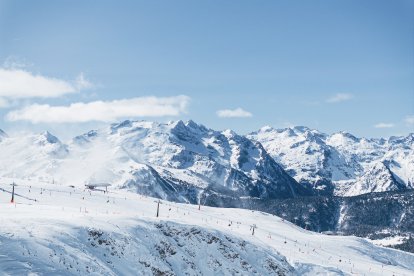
[175,160]
[336,163]
[190,154]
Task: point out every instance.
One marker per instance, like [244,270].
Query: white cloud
[105,111]
[384,125]
[409,120]
[16,83]
[340,97]
[234,113]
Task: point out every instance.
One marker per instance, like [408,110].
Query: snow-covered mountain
[175,161]
[185,161]
[59,230]
[2,135]
[341,163]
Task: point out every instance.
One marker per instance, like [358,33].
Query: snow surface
[57,229]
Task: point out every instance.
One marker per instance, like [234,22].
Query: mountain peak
[50,138]
[177,124]
[3,134]
[193,125]
[301,129]
[85,138]
[343,137]
[229,133]
[116,126]
[266,128]
[349,136]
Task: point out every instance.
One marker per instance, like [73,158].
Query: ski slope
[56,229]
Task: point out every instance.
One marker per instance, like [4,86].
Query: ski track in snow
[75,231]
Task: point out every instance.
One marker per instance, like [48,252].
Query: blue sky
[68,66]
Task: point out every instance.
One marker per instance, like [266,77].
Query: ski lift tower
[12,199]
[158,208]
[253,227]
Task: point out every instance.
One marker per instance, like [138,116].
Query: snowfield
[61,230]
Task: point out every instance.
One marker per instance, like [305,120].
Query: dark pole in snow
[199,201]
[253,227]
[158,208]
[12,199]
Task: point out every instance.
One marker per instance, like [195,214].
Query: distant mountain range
[185,161]
[175,161]
[341,164]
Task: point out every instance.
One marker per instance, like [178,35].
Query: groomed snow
[56,229]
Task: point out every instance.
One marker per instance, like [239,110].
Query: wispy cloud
[104,111]
[409,120]
[17,83]
[384,125]
[340,97]
[16,62]
[82,83]
[234,113]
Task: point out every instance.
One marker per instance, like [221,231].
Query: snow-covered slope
[56,229]
[175,161]
[341,163]
[29,154]
[2,134]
